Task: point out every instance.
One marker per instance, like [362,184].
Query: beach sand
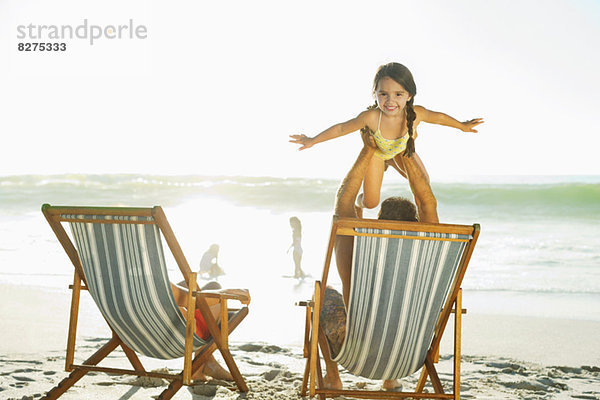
[274,372]
[504,357]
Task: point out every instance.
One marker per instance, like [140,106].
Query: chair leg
[320,376]
[306,350]
[457,344]
[422,380]
[307,320]
[235,372]
[190,327]
[221,345]
[304,386]
[75,295]
[78,373]
[201,358]
[314,341]
[132,357]
[435,379]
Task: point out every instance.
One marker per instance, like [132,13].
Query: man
[333,313]
[211,368]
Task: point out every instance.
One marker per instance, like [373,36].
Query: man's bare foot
[332,382]
[212,369]
[391,384]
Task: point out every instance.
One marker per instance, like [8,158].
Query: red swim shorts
[201,328]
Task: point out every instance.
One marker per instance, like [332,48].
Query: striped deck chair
[118,257]
[406,279]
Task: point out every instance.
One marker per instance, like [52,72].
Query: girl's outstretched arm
[434,117]
[333,132]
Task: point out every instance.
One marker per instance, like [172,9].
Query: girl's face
[391,96]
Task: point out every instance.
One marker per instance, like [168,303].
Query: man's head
[398,209]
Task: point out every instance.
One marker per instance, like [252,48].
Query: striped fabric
[126,275]
[397,292]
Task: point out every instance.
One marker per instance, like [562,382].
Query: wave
[575,194]
[146,190]
[468,286]
[548,256]
[302,194]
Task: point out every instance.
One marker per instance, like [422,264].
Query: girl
[392,122]
[296,245]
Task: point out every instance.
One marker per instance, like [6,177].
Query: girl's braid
[410,118]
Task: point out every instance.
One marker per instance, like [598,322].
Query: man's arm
[344,207]
[419,184]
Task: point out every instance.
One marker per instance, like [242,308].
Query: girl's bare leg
[298,273]
[396,166]
[372,184]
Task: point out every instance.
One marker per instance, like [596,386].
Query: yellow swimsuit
[388,148]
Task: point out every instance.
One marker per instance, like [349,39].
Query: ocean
[538,253]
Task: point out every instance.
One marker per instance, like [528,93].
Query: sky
[216,88]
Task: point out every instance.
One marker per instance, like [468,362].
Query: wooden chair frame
[313,377]
[196,299]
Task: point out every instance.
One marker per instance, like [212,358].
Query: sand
[504,356]
[274,372]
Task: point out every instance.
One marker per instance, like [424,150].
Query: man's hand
[367,138]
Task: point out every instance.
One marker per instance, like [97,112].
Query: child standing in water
[296,246]
[209,264]
[392,122]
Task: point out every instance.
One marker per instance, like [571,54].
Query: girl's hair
[400,74]
[295,223]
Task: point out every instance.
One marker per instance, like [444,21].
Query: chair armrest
[305,303]
[310,305]
[218,295]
